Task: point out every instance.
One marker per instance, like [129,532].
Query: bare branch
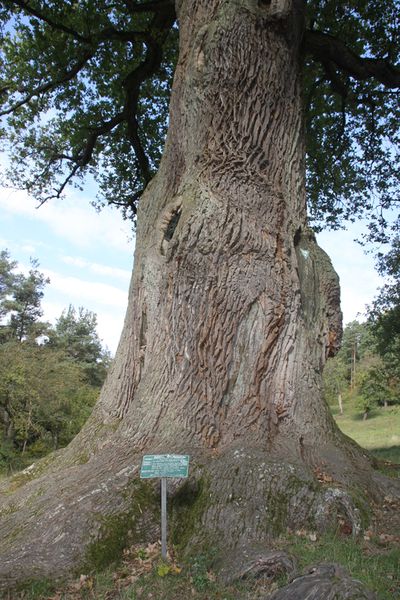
[327,49]
[81,158]
[58,191]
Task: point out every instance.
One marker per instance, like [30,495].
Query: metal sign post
[163,466]
[164,518]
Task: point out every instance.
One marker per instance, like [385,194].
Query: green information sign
[164,465]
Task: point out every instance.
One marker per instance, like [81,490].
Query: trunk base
[80,518]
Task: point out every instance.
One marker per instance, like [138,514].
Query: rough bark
[233,310]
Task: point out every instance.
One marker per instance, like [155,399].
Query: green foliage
[353,138]
[47,389]
[377,388]
[85,90]
[44,399]
[7,280]
[384,315]
[200,566]
[36,590]
[20,301]
[163,569]
[364,371]
[93,86]
[335,379]
[75,334]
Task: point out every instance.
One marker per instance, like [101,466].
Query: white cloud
[107,301]
[70,232]
[78,291]
[28,248]
[109,329]
[97,268]
[73,219]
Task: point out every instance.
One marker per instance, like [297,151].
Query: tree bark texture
[233,310]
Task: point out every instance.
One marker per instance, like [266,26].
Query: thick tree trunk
[233,310]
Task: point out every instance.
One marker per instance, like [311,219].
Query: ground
[374,559]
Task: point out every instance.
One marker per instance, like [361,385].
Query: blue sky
[88,257]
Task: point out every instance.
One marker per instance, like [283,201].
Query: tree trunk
[340,402]
[233,309]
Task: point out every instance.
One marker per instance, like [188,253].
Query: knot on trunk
[336,509]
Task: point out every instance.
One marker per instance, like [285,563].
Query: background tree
[376,388]
[44,401]
[7,278]
[47,389]
[357,342]
[21,301]
[233,307]
[384,314]
[75,334]
[364,370]
[336,381]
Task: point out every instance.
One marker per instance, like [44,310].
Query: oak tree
[233,306]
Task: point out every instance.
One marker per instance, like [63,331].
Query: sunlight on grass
[378,570]
[380,433]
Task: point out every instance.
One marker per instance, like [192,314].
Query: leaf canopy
[85,87]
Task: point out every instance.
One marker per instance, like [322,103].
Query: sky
[88,257]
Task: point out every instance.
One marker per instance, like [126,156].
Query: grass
[380,433]
[140,575]
[143,576]
[373,562]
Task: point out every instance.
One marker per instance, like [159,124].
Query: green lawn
[380,433]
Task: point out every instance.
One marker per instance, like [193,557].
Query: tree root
[324,582]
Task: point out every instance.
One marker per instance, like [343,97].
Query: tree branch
[133,82]
[153,36]
[58,192]
[24,6]
[327,49]
[152,6]
[85,154]
[82,157]
[51,85]
[132,85]
[337,84]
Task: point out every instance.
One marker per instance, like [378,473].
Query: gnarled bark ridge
[233,310]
